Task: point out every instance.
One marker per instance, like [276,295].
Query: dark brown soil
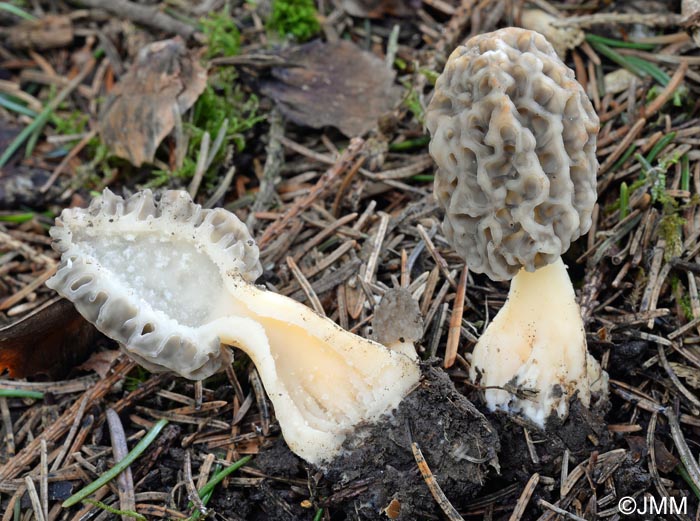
[452,436]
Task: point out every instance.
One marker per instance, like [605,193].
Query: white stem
[537,344]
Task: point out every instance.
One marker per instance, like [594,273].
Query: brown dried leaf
[397,318]
[141,110]
[334,84]
[50,32]
[100,362]
[49,341]
[393,509]
[665,461]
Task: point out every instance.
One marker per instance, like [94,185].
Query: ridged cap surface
[514,138]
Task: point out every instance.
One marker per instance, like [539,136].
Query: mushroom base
[532,359]
[458,443]
[584,430]
[321,379]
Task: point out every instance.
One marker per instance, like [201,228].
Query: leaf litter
[146,104]
[636,271]
[354,87]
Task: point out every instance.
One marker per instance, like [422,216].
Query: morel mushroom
[514,135]
[172,282]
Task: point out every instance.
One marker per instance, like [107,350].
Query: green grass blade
[31,142]
[119,467]
[44,115]
[410,144]
[624,200]
[610,42]
[116,511]
[17,218]
[623,159]
[659,146]
[8,7]
[20,393]
[219,477]
[16,107]
[685,173]
[616,57]
[207,490]
[651,69]
[686,477]
[38,122]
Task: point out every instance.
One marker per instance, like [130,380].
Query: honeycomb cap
[514,137]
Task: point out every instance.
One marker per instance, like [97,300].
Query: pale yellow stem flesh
[321,379]
[537,345]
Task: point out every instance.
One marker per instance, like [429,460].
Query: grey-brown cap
[513,135]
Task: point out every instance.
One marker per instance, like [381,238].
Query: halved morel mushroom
[172,282]
[514,137]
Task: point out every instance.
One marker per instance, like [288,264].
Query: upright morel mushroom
[514,135]
[172,282]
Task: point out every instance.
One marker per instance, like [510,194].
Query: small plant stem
[219,477]
[16,107]
[19,393]
[624,200]
[119,467]
[594,38]
[8,7]
[659,146]
[685,173]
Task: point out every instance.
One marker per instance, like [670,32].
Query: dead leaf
[164,82]
[380,8]
[393,509]
[100,362]
[50,32]
[334,84]
[49,341]
[665,461]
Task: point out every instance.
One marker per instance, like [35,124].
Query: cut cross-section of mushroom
[172,282]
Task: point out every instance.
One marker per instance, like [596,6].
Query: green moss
[221,33]
[136,377]
[411,101]
[70,124]
[294,18]
[670,230]
[222,99]
[429,75]
[682,299]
